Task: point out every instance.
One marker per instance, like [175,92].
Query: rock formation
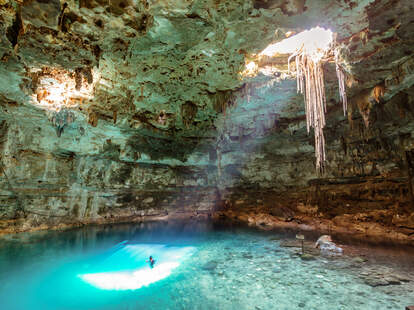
[163,115]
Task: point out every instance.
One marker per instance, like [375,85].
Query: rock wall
[42,189]
[367,187]
[137,110]
[82,176]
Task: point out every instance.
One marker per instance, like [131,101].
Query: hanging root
[310,83]
[293,55]
[341,83]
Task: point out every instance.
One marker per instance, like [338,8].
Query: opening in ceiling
[314,42]
[57,89]
[310,49]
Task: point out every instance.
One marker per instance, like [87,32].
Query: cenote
[199,265]
[206,154]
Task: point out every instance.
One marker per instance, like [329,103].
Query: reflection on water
[199,266]
[127,269]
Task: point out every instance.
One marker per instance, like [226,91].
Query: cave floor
[217,266]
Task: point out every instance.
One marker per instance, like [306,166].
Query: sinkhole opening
[314,43]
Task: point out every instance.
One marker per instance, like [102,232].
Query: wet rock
[313,251]
[359,260]
[402,278]
[383,277]
[374,282]
[291,244]
[392,280]
[307,256]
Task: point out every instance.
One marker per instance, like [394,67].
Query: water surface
[198,266]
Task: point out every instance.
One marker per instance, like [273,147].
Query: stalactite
[78,79]
[114,116]
[141,97]
[62,119]
[378,92]
[93,118]
[219,165]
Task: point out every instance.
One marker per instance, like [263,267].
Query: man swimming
[151,262]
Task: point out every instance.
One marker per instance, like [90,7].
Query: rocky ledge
[361,226]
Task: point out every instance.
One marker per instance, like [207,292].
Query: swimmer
[151,262]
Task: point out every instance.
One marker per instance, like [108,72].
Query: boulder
[322,239]
[327,246]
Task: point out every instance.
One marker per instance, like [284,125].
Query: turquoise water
[198,266]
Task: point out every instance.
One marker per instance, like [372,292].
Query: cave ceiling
[154,80]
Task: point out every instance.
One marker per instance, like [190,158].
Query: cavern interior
[206,154]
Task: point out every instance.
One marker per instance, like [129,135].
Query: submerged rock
[291,244]
[210,266]
[307,256]
[374,281]
[383,277]
[359,260]
[277,270]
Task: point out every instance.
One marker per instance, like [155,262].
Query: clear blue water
[198,266]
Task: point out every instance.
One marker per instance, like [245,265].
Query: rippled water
[198,266]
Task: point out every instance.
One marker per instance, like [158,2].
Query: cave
[206,154]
